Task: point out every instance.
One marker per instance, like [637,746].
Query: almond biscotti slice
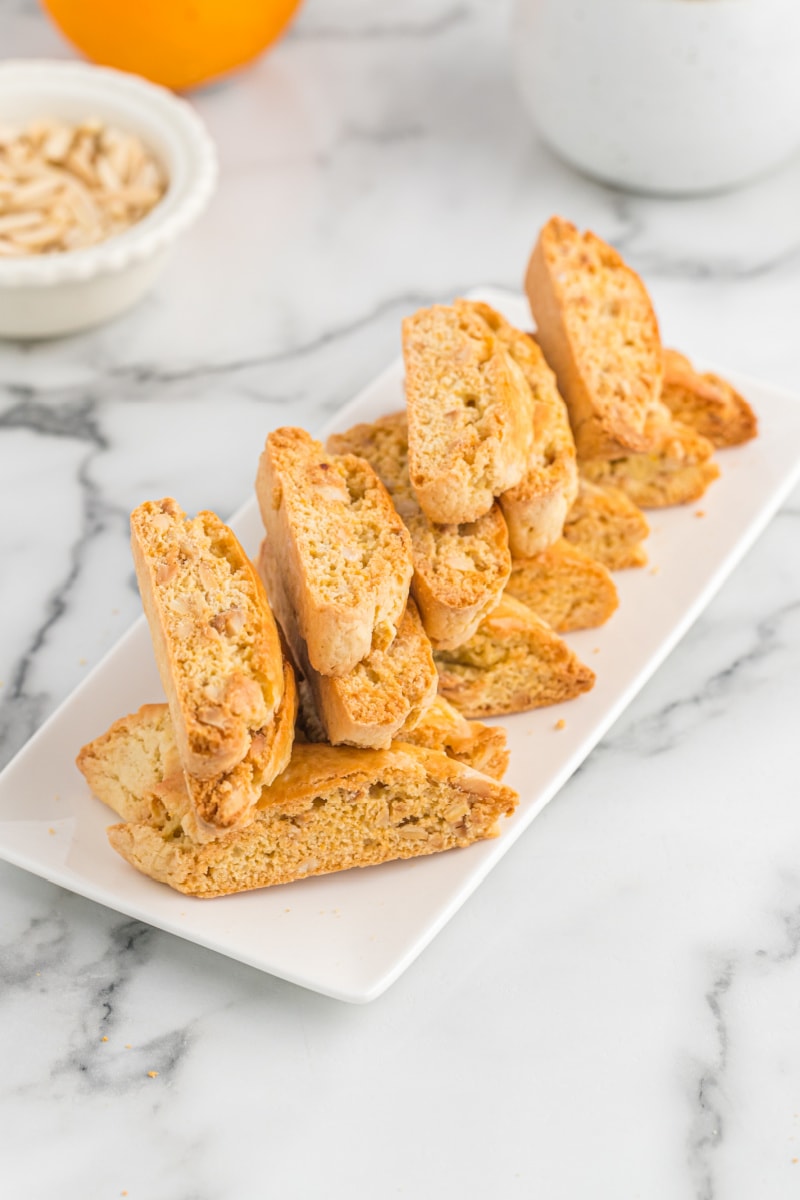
[607,525]
[677,471]
[127,766]
[469,414]
[706,402]
[341,552]
[536,507]
[565,587]
[597,328]
[483,747]
[514,662]
[382,696]
[218,654]
[330,810]
[459,570]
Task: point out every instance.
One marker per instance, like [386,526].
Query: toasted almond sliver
[57,146]
[11,222]
[37,190]
[10,249]
[42,235]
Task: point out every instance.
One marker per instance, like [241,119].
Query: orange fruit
[180,43]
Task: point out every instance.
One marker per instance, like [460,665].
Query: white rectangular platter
[350,935]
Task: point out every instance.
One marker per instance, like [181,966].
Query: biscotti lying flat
[459,570]
[330,810]
[513,663]
[564,586]
[536,507]
[706,402]
[339,550]
[596,326]
[677,471]
[604,523]
[218,655]
[469,414]
[382,696]
[483,747]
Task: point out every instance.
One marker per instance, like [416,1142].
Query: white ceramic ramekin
[49,294]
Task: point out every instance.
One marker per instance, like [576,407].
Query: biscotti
[469,414]
[483,747]
[218,654]
[677,471]
[607,525]
[459,570]
[536,507]
[596,326]
[706,402]
[340,555]
[382,696]
[564,586]
[126,766]
[514,662]
[330,810]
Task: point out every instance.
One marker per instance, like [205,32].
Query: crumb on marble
[654,570]
[561,724]
[81,662]
[287,910]
[699,512]
[51,830]
[103,1039]
[152,1074]
[115,613]
[596,650]
[128,1046]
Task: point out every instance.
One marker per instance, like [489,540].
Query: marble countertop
[615,1013]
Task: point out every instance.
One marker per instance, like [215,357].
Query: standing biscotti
[381,697]
[459,570]
[597,328]
[339,550]
[536,507]
[218,654]
[469,414]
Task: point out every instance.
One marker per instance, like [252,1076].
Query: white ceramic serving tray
[350,935]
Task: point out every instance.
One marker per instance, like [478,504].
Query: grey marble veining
[614,1013]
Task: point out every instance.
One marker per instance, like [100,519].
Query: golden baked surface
[564,586]
[706,402]
[469,414]
[459,570]
[596,325]
[514,662]
[339,555]
[217,650]
[606,524]
[535,508]
[331,809]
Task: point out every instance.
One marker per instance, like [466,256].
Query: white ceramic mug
[669,96]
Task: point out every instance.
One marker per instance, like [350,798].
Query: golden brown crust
[217,650]
[483,747]
[606,524]
[596,325]
[536,507]
[564,586]
[127,766]
[706,402]
[459,570]
[469,414]
[514,662]
[340,555]
[677,471]
[384,694]
[332,809]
